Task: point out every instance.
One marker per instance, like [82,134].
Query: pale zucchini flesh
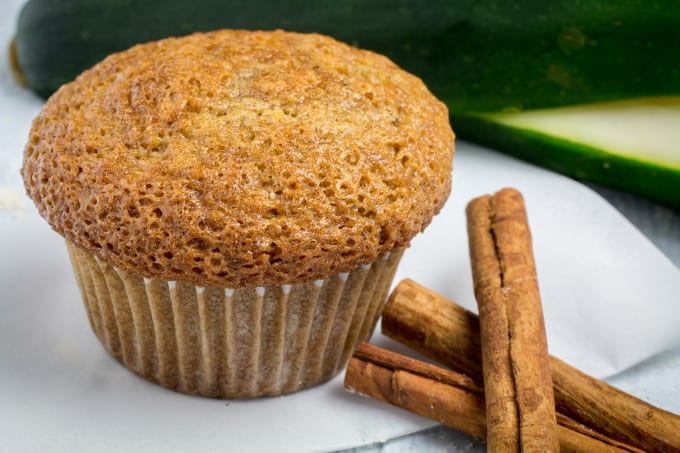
[632,145]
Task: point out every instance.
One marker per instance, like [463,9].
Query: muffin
[235,203]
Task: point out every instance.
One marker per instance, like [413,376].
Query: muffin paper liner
[232,342]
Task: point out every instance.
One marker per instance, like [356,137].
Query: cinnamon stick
[520,405]
[444,331]
[445,396]
[442,395]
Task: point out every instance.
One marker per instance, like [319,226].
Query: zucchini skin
[477,56]
[584,162]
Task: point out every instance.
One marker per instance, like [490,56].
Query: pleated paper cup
[232,342]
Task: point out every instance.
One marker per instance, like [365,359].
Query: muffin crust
[237,158]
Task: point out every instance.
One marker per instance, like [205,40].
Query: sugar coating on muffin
[238,158]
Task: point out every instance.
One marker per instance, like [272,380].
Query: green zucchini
[474,55]
[485,59]
[631,145]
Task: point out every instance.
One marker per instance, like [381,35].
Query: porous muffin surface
[237,158]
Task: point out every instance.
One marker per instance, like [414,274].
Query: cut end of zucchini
[14,63]
[631,145]
[643,129]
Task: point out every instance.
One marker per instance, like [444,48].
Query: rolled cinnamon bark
[446,396]
[520,404]
[446,332]
[438,394]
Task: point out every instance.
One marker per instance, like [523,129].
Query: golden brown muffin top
[238,158]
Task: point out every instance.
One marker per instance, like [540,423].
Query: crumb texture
[238,158]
